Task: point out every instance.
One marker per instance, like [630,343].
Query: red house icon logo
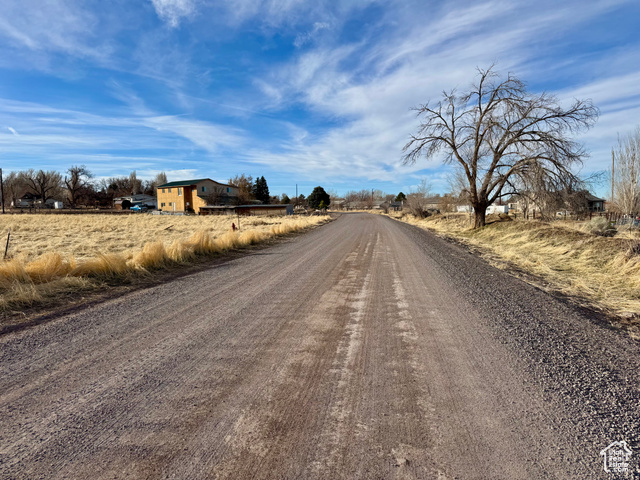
[617,457]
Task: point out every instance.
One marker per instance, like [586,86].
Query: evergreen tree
[285,199]
[261,190]
[401,197]
[317,197]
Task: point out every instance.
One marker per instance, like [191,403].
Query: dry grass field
[50,254]
[604,270]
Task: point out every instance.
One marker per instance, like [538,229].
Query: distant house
[582,200]
[190,195]
[31,200]
[26,200]
[432,203]
[338,203]
[595,204]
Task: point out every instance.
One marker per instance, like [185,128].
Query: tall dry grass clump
[152,256]
[106,266]
[13,271]
[45,256]
[48,266]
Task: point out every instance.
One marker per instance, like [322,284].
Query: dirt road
[364,349]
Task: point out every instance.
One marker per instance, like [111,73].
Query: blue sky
[302,92]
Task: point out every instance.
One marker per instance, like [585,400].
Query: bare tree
[333,193]
[13,187]
[626,175]
[122,186]
[136,184]
[447,203]
[417,199]
[360,199]
[541,193]
[150,187]
[244,184]
[497,132]
[44,185]
[160,179]
[77,182]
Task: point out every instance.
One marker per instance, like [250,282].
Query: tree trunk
[480,215]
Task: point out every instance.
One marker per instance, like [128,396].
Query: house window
[163,190]
[228,190]
[162,204]
[204,189]
[169,190]
[179,191]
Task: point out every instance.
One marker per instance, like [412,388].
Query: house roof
[183,183]
[592,198]
[186,183]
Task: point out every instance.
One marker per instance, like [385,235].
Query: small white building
[497,209]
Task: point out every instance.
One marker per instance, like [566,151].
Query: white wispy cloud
[55,26]
[173,11]
[13,130]
[303,38]
[202,134]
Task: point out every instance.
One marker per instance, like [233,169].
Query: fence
[630,220]
[80,211]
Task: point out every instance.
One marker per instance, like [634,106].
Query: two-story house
[190,195]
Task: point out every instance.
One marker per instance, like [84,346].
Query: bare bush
[601,227]
[626,174]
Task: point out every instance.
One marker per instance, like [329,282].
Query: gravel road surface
[364,349]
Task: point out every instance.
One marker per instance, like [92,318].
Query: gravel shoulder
[366,348]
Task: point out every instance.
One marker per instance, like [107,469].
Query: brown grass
[606,271]
[50,255]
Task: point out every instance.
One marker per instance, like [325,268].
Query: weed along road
[366,348]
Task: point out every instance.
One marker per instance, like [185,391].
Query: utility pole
[2,192]
[296,194]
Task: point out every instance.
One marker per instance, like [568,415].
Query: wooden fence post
[6,249]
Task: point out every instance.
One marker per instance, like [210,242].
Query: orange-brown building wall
[171,196]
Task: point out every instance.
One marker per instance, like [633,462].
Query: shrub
[601,227]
